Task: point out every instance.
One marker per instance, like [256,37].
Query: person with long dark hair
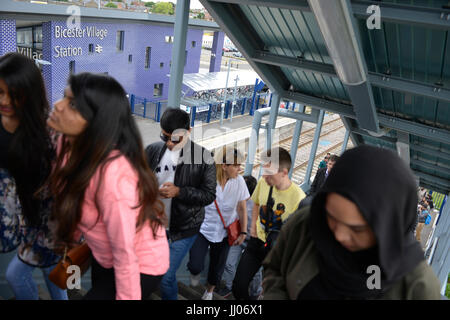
[105,190]
[25,163]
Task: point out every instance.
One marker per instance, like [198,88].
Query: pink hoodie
[113,240]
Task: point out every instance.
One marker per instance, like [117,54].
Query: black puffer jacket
[196,177]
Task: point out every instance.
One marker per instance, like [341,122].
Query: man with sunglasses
[186,175]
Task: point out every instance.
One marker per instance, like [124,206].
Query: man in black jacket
[187,177]
[321,176]
[319,181]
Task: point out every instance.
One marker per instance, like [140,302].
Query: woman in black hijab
[356,240]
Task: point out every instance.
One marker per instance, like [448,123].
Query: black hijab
[384,190]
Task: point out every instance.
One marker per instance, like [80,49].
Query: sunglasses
[173,139]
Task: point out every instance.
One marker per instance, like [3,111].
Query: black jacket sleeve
[315,183]
[206,193]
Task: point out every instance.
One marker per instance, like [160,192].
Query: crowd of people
[423,212]
[81,173]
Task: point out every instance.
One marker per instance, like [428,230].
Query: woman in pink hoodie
[105,191]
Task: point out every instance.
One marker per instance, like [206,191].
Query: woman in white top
[231,196]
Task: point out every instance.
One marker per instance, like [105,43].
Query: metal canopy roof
[407,66]
[218,80]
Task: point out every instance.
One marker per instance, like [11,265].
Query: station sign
[87,32]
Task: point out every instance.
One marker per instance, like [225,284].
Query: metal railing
[153,110]
[146,108]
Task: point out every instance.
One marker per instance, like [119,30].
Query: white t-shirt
[165,172]
[227,199]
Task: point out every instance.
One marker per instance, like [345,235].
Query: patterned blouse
[34,244]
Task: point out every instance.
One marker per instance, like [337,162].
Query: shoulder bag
[79,256]
[233,230]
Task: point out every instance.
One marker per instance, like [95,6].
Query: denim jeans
[178,250]
[20,278]
[229,272]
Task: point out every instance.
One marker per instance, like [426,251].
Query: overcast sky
[195,4]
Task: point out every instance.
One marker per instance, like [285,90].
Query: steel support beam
[414,128]
[274,106]
[403,146]
[312,152]
[429,151]
[348,126]
[291,62]
[362,132]
[253,141]
[404,14]
[376,79]
[341,36]
[364,106]
[443,183]
[345,143]
[430,166]
[296,140]
[336,107]
[313,117]
[178,53]
[281,4]
[410,87]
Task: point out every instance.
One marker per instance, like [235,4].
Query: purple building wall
[133,76]
[216,51]
[7,36]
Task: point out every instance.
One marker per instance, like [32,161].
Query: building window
[161,65]
[72,67]
[169,39]
[130,58]
[185,57]
[148,57]
[29,41]
[194,44]
[91,48]
[158,90]
[120,40]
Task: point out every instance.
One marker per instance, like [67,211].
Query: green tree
[110,5]
[149,5]
[163,8]
[201,15]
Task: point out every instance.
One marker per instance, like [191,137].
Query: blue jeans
[178,250]
[234,255]
[20,278]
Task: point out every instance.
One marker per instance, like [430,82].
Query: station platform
[150,130]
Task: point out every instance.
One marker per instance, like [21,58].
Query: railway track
[306,138]
[332,134]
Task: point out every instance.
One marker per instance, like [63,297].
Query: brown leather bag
[79,256]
